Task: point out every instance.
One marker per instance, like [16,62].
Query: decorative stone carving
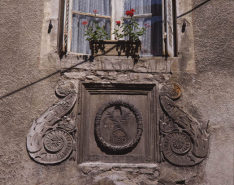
[50,139]
[183,141]
[114,131]
[118,126]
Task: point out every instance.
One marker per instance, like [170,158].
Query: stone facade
[31,69]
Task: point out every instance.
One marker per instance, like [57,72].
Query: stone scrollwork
[184,142]
[50,139]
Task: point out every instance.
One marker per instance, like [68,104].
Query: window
[159,14]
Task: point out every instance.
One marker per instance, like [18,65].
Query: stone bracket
[184,141]
[51,137]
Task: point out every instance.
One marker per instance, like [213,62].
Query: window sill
[144,57]
[145,64]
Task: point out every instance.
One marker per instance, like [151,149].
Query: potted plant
[131,31]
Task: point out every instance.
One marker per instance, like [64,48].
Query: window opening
[158,14]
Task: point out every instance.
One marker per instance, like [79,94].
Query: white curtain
[152,40]
[79,42]
[103,7]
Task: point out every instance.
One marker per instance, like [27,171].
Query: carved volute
[184,141]
[50,139]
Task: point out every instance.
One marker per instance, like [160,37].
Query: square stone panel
[118,123]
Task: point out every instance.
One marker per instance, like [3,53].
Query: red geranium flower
[133,10]
[129,13]
[118,23]
[85,22]
[95,11]
[146,25]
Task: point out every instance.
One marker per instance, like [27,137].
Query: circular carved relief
[59,143]
[172,90]
[54,141]
[64,88]
[175,92]
[175,145]
[118,125]
[181,143]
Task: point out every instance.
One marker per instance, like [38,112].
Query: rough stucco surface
[214,46]
[207,95]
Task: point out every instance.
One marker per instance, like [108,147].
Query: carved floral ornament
[118,127]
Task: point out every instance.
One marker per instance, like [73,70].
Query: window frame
[67,7]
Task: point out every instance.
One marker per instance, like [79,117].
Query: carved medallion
[180,143]
[54,141]
[176,144]
[118,126]
[59,144]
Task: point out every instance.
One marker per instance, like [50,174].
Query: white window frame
[168,35]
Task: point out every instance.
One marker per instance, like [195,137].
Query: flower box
[115,48]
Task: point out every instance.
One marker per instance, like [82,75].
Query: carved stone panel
[117,123]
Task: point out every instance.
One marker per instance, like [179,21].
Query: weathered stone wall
[28,84]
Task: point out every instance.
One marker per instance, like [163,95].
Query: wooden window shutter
[169,27]
[60,26]
[66,13]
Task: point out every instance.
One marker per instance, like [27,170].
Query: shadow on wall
[86,58]
[198,6]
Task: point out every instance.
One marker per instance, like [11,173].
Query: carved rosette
[118,126]
[184,142]
[50,139]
